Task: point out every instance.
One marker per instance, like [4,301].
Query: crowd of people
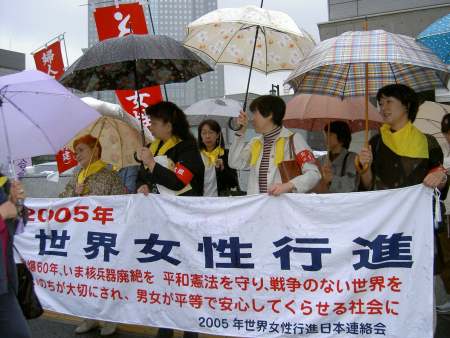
[398,156]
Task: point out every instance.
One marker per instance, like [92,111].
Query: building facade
[171,17]
[11,62]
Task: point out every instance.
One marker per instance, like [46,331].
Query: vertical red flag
[49,60]
[119,21]
[65,159]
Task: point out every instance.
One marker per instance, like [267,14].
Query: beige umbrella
[261,39]
[118,132]
[429,119]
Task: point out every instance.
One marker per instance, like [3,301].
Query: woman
[220,179]
[265,152]
[172,163]
[179,168]
[401,155]
[96,179]
[337,168]
[12,321]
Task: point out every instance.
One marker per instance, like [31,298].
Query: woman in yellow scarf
[401,155]
[220,179]
[93,178]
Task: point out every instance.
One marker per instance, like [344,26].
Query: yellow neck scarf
[256,148]
[169,144]
[92,169]
[3,180]
[408,141]
[213,155]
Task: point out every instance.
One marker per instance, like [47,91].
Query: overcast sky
[26,25]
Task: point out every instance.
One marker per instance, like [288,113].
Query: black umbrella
[133,62]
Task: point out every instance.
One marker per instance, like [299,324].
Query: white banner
[337,265]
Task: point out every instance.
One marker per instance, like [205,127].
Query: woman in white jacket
[263,153]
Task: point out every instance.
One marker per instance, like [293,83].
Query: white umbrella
[429,118]
[249,36]
[218,109]
[38,115]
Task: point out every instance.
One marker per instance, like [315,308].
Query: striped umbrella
[336,66]
[359,63]
[437,37]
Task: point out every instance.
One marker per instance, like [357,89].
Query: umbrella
[312,112]
[249,36]
[38,115]
[220,109]
[437,37]
[117,131]
[429,118]
[359,63]
[133,62]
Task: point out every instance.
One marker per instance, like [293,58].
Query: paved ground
[49,327]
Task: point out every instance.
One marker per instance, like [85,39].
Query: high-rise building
[171,17]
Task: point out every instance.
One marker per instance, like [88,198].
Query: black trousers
[168,333]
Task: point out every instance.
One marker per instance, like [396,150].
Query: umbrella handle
[360,168]
[137,159]
[232,125]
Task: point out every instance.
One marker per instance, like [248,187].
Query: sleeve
[240,153]
[310,172]
[188,163]
[116,186]
[228,175]
[144,176]
[69,190]
[436,157]
[349,181]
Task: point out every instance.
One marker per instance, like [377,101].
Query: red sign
[119,21]
[49,60]
[65,159]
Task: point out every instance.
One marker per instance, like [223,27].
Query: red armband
[183,173]
[305,156]
[438,168]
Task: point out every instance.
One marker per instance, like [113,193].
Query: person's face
[85,154]
[160,129]
[209,137]
[262,124]
[331,141]
[392,110]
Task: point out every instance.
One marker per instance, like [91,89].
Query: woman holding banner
[12,320]
[264,154]
[172,164]
[401,155]
[94,178]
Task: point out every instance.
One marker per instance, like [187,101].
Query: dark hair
[269,104]
[445,124]
[406,95]
[213,125]
[89,140]
[342,131]
[170,112]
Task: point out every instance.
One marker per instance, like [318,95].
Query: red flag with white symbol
[65,159]
[49,60]
[119,21]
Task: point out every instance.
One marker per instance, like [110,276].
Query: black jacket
[185,153]
[227,178]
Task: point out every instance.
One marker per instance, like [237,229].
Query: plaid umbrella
[337,66]
[437,38]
